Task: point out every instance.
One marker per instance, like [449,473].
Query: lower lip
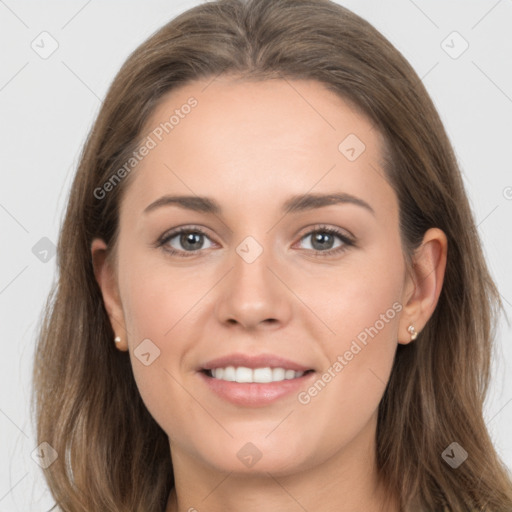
[254,394]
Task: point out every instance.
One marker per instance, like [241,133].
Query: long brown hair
[113,456]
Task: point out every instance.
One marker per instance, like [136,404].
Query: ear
[423,283]
[106,277]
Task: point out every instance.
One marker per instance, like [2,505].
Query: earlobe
[426,281]
[106,279]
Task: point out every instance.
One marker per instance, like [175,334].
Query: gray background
[48,104]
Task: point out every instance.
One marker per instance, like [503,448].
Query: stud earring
[117,339]
[413,332]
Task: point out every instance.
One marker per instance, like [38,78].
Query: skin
[250,146]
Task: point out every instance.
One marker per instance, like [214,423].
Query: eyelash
[166,237]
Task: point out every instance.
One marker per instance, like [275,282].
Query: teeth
[243,374]
[289,374]
[263,375]
[278,374]
[260,375]
[228,374]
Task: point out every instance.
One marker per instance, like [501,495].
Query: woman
[272,294]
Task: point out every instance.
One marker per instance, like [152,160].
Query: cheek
[156,298]
[361,306]
[161,305]
[344,398]
[154,312]
[360,299]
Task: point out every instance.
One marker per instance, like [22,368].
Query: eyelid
[347,239]
[171,233]
[168,235]
[341,232]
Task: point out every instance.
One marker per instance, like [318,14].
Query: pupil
[188,240]
[321,241]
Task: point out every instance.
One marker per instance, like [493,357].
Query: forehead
[261,141]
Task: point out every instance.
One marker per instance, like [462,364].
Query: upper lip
[254,361]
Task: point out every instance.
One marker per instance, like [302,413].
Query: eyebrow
[294,204]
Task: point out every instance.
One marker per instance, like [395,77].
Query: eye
[190,240]
[185,240]
[326,241]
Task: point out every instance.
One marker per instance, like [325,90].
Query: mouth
[262,375]
[254,380]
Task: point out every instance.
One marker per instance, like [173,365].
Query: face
[288,265]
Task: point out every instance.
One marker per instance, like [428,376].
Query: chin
[258,456]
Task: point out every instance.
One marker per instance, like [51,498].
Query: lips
[254,381]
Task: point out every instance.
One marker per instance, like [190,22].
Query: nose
[253,295]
